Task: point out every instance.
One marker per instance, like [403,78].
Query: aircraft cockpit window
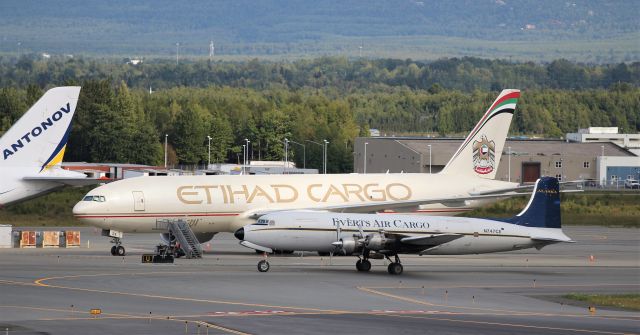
[96,198]
[260,222]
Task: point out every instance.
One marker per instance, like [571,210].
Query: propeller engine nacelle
[376,241]
[348,245]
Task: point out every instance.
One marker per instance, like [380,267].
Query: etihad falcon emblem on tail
[484,155]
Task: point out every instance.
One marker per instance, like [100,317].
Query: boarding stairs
[185,238]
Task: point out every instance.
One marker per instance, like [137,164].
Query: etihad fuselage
[226,203]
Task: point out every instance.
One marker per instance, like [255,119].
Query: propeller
[338,244]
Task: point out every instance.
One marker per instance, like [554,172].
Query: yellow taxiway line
[117,316]
[41,282]
[313,311]
[505,312]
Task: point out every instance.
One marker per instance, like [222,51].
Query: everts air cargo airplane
[382,235]
[32,149]
[212,204]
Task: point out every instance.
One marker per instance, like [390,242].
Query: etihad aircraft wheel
[395,268]
[263,266]
[120,250]
[113,250]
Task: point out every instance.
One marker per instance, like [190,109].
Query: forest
[125,110]
[540,30]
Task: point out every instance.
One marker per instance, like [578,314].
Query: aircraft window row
[96,198]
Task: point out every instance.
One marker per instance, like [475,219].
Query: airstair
[181,234]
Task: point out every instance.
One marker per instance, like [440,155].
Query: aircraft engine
[349,245]
[376,242]
[165,238]
[202,237]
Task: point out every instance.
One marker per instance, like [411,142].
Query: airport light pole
[325,156]
[209,158]
[429,158]
[365,157]
[603,181]
[509,163]
[166,136]
[246,155]
[286,153]
[304,153]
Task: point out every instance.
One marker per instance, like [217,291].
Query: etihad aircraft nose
[88,205]
[239,234]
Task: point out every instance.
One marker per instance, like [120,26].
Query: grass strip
[627,301]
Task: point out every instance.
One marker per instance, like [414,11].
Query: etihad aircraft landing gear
[116,239]
[117,249]
[395,268]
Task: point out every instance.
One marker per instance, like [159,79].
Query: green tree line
[338,74]
[119,121]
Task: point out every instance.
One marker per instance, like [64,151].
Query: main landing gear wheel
[119,251]
[363,265]
[395,268]
[263,266]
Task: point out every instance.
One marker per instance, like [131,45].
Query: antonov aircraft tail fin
[543,209]
[480,152]
[39,137]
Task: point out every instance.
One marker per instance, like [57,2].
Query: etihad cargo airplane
[224,203]
[384,236]
[33,148]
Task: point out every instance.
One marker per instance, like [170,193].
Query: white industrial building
[5,236]
[630,142]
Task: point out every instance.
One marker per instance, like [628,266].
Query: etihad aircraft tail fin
[480,152]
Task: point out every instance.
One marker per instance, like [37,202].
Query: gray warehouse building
[523,160]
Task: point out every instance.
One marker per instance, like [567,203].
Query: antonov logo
[36,131]
[283,193]
[483,155]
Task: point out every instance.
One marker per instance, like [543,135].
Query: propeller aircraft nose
[239,234]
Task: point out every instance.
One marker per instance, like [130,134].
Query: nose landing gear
[116,239]
[263,266]
[117,250]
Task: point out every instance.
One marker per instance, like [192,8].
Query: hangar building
[523,160]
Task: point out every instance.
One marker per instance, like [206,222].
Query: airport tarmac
[51,291]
